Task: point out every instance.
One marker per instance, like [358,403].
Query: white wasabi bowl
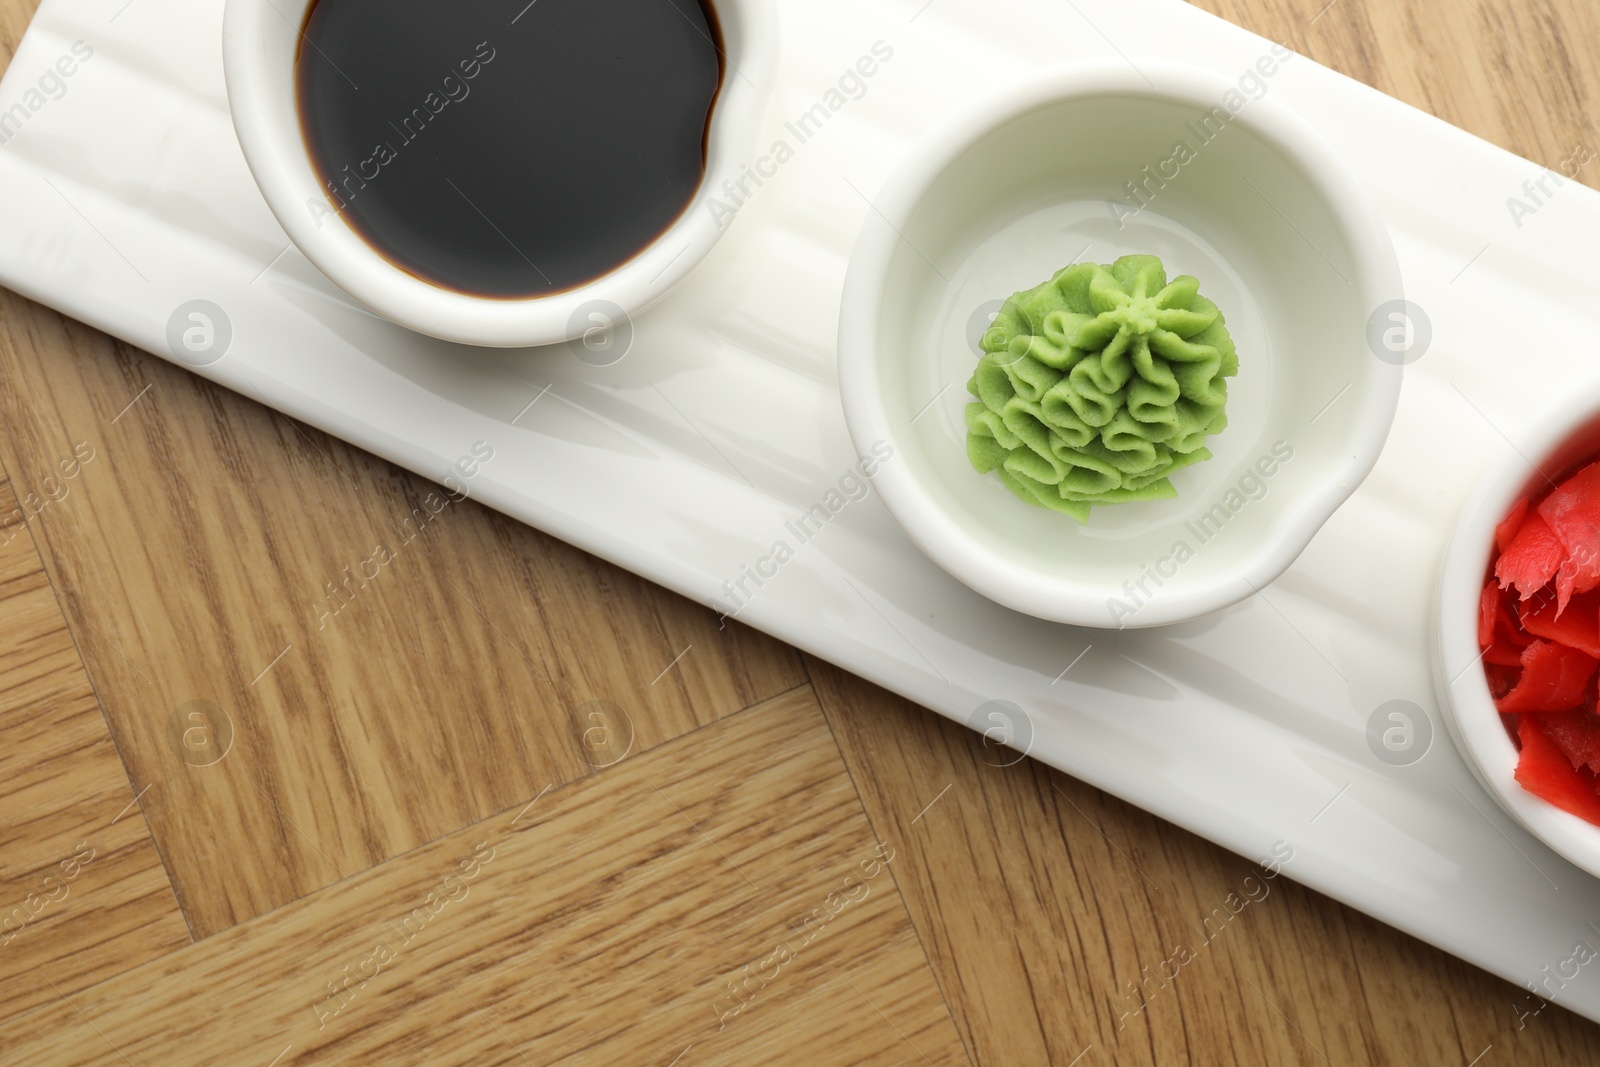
[1283,240]
[1566,438]
[259,41]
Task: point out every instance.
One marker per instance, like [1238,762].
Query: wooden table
[500,802]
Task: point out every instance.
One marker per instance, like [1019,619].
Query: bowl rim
[276,155]
[1015,585]
[1463,692]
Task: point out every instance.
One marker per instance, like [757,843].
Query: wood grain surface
[281,765]
[205,571]
[600,923]
[83,895]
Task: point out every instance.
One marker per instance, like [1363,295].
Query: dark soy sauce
[504,148]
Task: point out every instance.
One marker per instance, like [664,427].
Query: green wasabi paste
[1098,384]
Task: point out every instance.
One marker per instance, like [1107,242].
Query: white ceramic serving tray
[125,196]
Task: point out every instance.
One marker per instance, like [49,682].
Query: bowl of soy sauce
[503,173]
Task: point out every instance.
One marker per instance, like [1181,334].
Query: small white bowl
[259,42]
[1566,438]
[1280,235]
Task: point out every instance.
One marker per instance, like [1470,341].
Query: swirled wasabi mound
[1098,384]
